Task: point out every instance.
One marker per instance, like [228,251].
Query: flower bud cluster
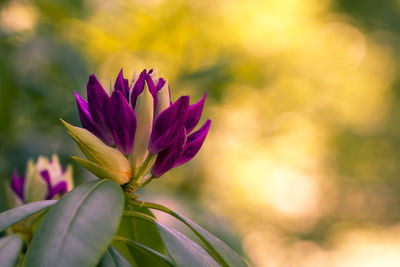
[136,131]
[43,180]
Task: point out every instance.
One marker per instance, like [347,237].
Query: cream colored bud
[163,99]
[35,187]
[144,110]
[99,154]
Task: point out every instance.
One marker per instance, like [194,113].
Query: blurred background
[302,163]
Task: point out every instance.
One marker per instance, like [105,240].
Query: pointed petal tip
[194,143]
[194,114]
[167,124]
[92,78]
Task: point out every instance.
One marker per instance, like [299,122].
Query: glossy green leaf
[78,229]
[12,216]
[125,229]
[183,251]
[146,232]
[218,249]
[145,256]
[10,247]
[112,258]
[143,232]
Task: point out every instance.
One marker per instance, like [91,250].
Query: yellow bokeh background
[301,160]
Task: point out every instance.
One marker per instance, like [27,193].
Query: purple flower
[45,179]
[139,119]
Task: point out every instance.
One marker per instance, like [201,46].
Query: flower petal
[122,122]
[17,184]
[194,114]
[120,84]
[86,119]
[167,158]
[97,102]
[144,112]
[194,143]
[160,84]
[59,189]
[120,176]
[167,124]
[100,154]
[35,187]
[126,85]
[163,99]
[137,88]
[152,87]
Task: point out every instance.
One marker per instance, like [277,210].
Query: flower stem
[147,179]
[130,188]
[197,230]
[145,166]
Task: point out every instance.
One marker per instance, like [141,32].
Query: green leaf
[218,249]
[12,216]
[10,247]
[146,232]
[112,258]
[143,232]
[145,256]
[183,251]
[78,229]
[125,229]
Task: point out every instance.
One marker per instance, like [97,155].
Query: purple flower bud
[152,87]
[167,158]
[57,189]
[122,122]
[160,84]
[121,85]
[17,184]
[45,179]
[194,114]
[143,123]
[137,88]
[193,144]
[126,85]
[97,102]
[86,119]
[167,124]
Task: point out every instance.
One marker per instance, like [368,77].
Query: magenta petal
[194,114]
[86,119]
[46,176]
[160,84]
[138,88]
[194,143]
[126,85]
[152,87]
[17,184]
[122,121]
[167,124]
[167,158]
[97,102]
[120,84]
[58,189]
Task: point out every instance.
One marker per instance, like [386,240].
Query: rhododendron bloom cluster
[136,129]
